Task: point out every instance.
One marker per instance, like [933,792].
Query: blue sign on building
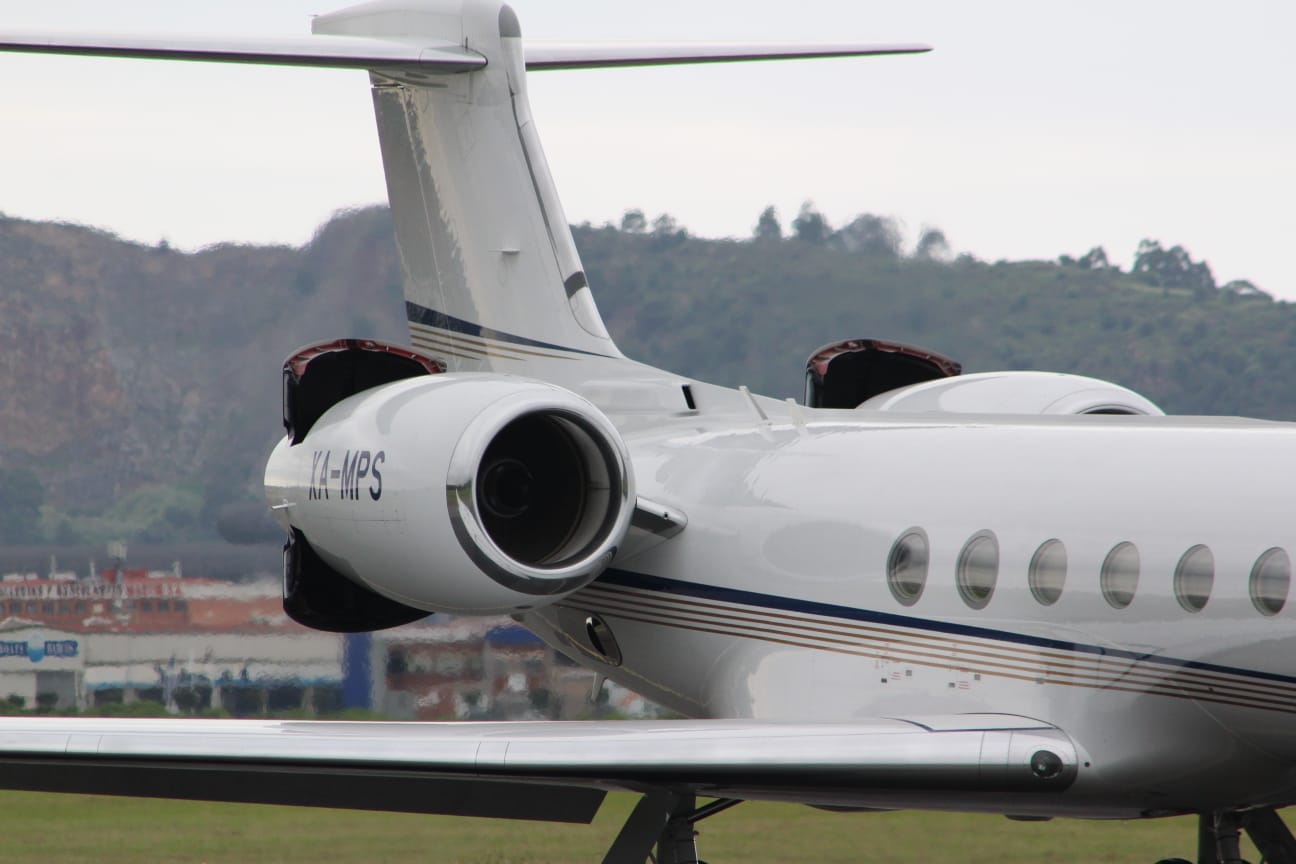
[38,648]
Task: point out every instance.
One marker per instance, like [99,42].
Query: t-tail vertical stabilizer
[492,277]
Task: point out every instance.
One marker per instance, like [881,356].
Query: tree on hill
[767,226]
[665,225]
[932,245]
[1172,268]
[633,222]
[867,234]
[1095,259]
[1244,288]
[810,226]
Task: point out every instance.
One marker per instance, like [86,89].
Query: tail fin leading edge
[492,276]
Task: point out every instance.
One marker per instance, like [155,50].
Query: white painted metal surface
[1014,393]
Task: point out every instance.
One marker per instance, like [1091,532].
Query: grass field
[78,828]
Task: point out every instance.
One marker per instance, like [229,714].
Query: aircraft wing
[555,771]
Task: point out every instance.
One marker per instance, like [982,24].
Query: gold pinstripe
[896,645]
[471,343]
[1057,658]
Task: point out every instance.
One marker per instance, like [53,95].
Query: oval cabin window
[1270,581]
[1194,577]
[1048,569]
[1120,574]
[907,566]
[978,569]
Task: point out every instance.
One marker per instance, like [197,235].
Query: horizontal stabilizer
[358,52]
[593,56]
[337,52]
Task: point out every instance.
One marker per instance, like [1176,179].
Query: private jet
[1018,593]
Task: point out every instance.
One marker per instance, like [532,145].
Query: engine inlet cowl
[539,492]
[467,493]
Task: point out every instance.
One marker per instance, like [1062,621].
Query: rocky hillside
[139,386]
[124,366]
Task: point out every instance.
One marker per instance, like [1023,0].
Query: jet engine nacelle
[1014,393]
[470,493]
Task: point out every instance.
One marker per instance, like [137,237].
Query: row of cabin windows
[977,571]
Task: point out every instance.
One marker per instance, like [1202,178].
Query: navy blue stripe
[829,610]
[417,314]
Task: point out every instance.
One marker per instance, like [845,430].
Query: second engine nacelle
[473,494]
[1014,393]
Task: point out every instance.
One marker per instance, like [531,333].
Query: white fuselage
[774,603]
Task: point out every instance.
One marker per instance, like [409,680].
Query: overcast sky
[1034,129]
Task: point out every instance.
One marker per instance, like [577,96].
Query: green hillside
[751,312]
[140,387]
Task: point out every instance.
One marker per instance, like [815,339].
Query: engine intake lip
[589,543]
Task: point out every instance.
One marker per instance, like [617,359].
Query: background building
[192,645]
